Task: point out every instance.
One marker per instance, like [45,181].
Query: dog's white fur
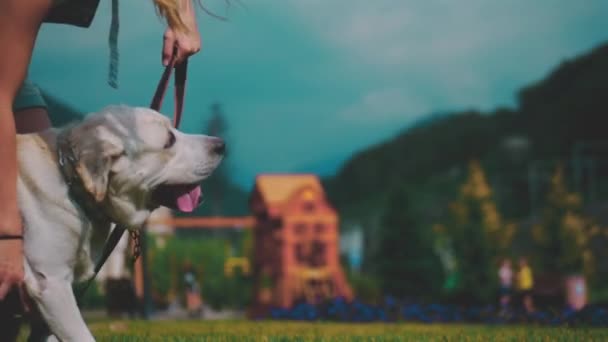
[122,156]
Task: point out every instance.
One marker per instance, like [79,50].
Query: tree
[219,182]
[445,252]
[216,126]
[562,238]
[404,259]
[477,237]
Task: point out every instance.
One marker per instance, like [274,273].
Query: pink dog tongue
[187,202]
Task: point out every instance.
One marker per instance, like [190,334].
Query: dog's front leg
[58,306]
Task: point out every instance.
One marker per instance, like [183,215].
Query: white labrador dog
[116,165]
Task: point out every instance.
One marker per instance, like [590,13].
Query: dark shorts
[524,293]
[72,12]
[11,313]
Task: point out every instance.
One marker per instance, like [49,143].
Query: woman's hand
[188,43]
[11,265]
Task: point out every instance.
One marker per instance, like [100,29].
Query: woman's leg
[19,24]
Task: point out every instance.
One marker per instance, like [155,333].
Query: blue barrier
[392,310]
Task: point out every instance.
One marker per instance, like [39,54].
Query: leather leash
[179,84]
[157,101]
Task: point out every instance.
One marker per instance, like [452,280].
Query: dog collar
[81,197]
[67,161]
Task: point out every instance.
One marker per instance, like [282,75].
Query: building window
[317,255]
[308,206]
[276,224]
[301,256]
[261,215]
[300,229]
[319,228]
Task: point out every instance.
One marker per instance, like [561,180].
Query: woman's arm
[19,24]
[186,38]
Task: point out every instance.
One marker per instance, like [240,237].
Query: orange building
[296,255]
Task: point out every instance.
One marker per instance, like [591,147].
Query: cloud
[399,32]
[380,106]
[392,33]
[468,53]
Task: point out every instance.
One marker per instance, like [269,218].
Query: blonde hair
[169,10]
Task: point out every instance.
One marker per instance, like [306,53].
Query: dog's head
[132,160]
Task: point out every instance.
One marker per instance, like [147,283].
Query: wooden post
[147,299]
[138,278]
[141,278]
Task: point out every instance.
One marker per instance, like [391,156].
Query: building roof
[276,189]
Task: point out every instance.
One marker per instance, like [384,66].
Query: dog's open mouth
[182,197]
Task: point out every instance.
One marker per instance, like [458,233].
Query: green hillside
[558,119]
[552,115]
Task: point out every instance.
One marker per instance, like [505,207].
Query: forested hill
[570,105]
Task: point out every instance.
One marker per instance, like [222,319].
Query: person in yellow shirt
[505,276]
[525,284]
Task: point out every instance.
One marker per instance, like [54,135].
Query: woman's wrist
[187,12]
[4,237]
[11,234]
[10,228]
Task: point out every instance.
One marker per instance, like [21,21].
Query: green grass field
[116,331]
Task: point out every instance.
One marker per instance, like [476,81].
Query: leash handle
[179,84]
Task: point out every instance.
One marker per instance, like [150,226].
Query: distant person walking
[525,283]
[194,304]
[505,276]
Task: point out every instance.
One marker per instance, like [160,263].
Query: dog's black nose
[219,147]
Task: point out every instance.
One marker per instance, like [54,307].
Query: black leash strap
[109,246]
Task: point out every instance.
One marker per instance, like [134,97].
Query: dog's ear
[95,148]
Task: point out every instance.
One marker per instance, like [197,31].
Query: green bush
[207,256]
[365,287]
[404,260]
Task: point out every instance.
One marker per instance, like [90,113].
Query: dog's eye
[171,140]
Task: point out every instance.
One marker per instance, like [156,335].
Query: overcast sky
[310,81]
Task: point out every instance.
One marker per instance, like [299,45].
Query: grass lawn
[294,331]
